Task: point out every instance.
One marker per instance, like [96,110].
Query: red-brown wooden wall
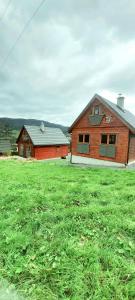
[51,152]
[41,152]
[116,126]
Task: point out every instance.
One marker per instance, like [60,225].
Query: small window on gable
[80,138]
[96,110]
[86,138]
[112,139]
[104,139]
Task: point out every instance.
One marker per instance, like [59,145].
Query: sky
[71,50]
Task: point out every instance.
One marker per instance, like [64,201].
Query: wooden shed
[104,131]
[42,142]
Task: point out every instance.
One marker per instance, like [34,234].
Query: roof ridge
[39,126]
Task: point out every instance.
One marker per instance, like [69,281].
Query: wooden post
[71,151]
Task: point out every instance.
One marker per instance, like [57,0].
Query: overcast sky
[71,50]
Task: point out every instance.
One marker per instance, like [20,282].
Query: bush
[8,153]
[14,153]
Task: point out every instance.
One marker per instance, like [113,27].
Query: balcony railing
[95,119]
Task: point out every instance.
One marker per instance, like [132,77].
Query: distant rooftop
[5,145]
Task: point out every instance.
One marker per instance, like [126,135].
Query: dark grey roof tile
[126,115]
[5,145]
[51,136]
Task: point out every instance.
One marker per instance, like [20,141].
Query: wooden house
[104,131]
[42,142]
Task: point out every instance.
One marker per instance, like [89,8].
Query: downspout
[71,150]
[128,149]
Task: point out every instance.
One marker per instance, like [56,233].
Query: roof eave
[113,110]
[81,114]
[17,140]
[43,145]
[25,126]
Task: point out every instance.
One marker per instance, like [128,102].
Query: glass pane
[96,110]
[104,139]
[112,139]
[80,138]
[87,138]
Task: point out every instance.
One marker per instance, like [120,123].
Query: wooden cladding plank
[107,151]
[83,148]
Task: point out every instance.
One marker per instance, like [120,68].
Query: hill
[66,232]
[16,124]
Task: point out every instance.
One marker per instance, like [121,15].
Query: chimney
[42,127]
[120,101]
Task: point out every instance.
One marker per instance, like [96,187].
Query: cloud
[70,51]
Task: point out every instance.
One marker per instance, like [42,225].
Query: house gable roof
[124,115]
[51,136]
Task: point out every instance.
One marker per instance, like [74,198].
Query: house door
[132,149]
[28,151]
[21,152]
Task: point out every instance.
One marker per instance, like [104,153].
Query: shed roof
[126,116]
[5,145]
[51,136]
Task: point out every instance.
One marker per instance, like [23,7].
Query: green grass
[67,232]
[15,132]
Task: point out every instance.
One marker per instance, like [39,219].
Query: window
[86,138]
[112,139]
[80,138]
[96,110]
[104,139]
[108,139]
[108,119]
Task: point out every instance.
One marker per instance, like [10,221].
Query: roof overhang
[50,145]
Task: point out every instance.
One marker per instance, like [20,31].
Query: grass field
[67,232]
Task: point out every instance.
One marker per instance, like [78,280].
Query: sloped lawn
[67,232]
